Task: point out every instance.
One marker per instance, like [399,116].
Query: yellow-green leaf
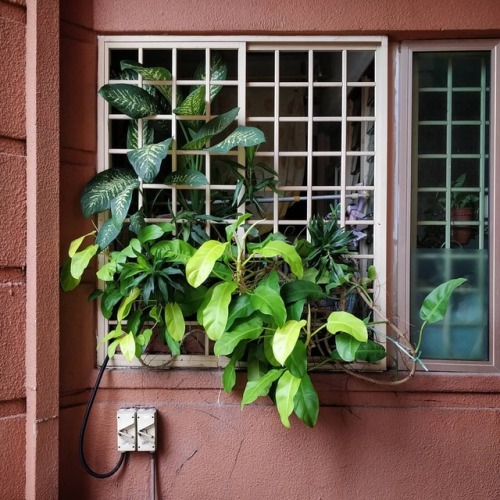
[342,321]
[174,320]
[287,388]
[285,338]
[200,265]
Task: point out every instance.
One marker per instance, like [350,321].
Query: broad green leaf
[112,295]
[268,351]
[75,244]
[133,134]
[216,312]
[127,346]
[341,321]
[229,374]
[193,104]
[256,362]
[239,308]
[370,351]
[200,265]
[137,222]
[287,252]
[287,388]
[296,309]
[126,304]
[272,281]
[108,233]
[150,232]
[186,177]
[257,388]
[144,337]
[67,281]
[248,330]
[112,347]
[211,128]
[81,259]
[132,250]
[173,251]
[174,320]
[285,338]
[267,301]
[190,299]
[297,361]
[104,187]
[306,402]
[120,205]
[107,271]
[301,289]
[346,346]
[173,345]
[147,160]
[113,334]
[129,99]
[155,74]
[241,136]
[435,304]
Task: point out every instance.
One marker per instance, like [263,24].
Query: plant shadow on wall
[276,309]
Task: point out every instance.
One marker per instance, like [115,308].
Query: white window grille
[321,103]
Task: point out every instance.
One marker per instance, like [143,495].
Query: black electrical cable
[84,426]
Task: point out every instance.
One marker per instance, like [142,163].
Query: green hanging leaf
[67,281]
[301,289]
[347,346]
[341,321]
[297,360]
[150,232]
[75,244]
[229,373]
[126,305]
[370,351]
[267,301]
[148,135]
[215,313]
[174,320]
[186,177]
[287,252]
[241,136]
[200,265]
[306,402]
[107,233]
[296,309]
[130,100]
[81,259]
[239,308]
[285,339]
[137,222]
[107,271]
[435,304]
[247,330]
[147,160]
[257,388]
[104,187]
[127,346]
[120,205]
[287,388]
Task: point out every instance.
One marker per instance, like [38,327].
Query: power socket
[146,429]
[126,429]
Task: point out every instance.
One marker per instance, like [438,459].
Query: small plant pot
[462,234]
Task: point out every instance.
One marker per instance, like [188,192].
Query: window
[452,189]
[321,104]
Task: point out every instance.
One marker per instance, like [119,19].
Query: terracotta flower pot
[462,234]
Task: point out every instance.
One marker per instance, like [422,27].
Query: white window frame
[378,44]
[403,193]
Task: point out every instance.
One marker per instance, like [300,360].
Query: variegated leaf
[186,177]
[147,160]
[242,136]
[108,232]
[104,187]
[120,205]
[129,99]
[194,104]
[133,134]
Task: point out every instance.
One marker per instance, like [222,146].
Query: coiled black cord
[84,426]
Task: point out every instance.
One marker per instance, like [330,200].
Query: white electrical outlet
[126,429]
[146,429]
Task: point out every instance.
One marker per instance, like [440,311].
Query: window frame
[378,44]
[402,192]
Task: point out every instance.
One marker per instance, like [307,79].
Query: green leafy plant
[460,199]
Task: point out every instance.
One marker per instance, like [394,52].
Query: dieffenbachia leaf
[285,338]
[268,301]
[120,205]
[247,330]
[147,160]
[133,134]
[241,136]
[186,177]
[174,320]
[306,402]
[193,104]
[287,252]
[200,265]
[342,321]
[108,232]
[286,389]
[129,99]
[216,312]
[435,304]
[257,388]
[104,187]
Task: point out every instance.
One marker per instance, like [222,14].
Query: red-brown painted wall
[437,437]
[13,249]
